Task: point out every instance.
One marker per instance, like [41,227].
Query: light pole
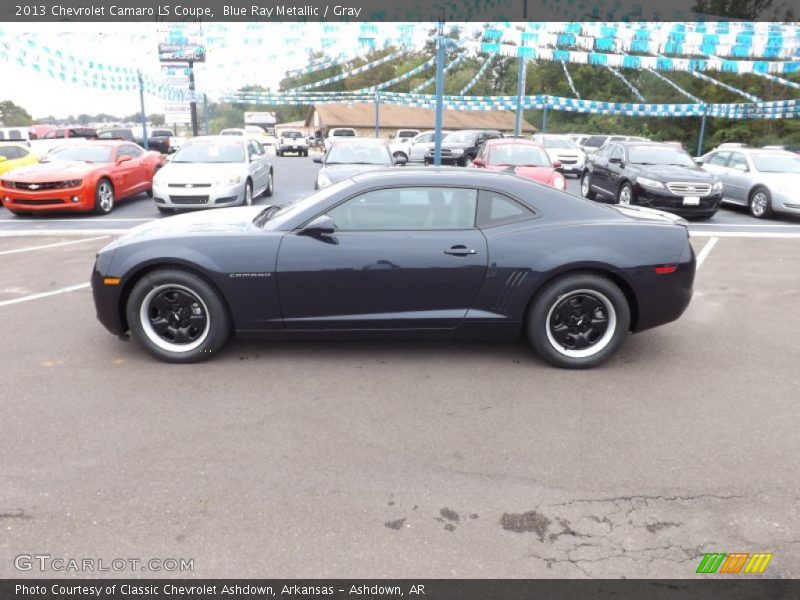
[440,54]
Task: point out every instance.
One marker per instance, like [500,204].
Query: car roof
[363,141]
[218,138]
[417,175]
[515,141]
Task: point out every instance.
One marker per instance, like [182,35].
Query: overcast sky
[240,53]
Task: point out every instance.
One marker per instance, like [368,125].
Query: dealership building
[361,117]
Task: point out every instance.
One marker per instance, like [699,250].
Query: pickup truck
[292,141]
[55,138]
[159,139]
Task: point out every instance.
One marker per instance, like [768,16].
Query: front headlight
[717,186]
[649,182]
[73,183]
[323,180]
[559,182]
[229,180]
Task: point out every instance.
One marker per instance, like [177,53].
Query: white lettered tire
[578,321]
[177,316]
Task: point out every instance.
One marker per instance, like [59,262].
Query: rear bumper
[663,298]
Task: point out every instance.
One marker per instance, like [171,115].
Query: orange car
[90,176]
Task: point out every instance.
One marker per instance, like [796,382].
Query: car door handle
[460,251]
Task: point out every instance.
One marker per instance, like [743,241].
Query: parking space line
[56,245]
[65,290]
[60,232]
[744,234]
[84,220]
[703,254]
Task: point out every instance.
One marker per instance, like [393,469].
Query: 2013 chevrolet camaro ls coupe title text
[431,252]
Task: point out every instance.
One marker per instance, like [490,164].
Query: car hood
[51,171]
[339,172]
[219,220]
[174,172]
[675,173]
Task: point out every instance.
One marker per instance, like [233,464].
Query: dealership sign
[177,112]
[259,118]
[176,74]
[189,50]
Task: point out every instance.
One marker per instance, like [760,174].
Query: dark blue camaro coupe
[421,252]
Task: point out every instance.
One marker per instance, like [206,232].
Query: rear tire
[578,321]
[586,188]
[397,155]
[760,203]
[625,195]
[177,317]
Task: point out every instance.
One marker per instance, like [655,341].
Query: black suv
[461,147]
[652,175]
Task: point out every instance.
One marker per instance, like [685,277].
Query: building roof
[406,117]
[296,124]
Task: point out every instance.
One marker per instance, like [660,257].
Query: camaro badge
[33,186]
[248,275]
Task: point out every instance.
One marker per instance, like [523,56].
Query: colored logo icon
[738,562]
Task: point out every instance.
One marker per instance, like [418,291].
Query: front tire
[103,197]
[397,155]
[177,317]
[625,195]
[586,187]
[578,321]
[248,194]
[760,203]
[270,186]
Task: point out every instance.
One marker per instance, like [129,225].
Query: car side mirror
[698,162]
[479,162]
[318,159]
[557,165]
[122,159]
[400,160]
[322,225]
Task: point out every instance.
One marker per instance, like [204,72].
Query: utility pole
[205,111]
[377,114]
[521,71]
[702,132]
[144,114]
[192,103]
[440,55]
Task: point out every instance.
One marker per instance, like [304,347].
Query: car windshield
[659,155]
[518,155]
[210,152]
[292,134]
[461,137]
[776,163]
[231,132]
[595,141]
[558,143]
[358,154]
[87,153]
[283,213]
[344,133]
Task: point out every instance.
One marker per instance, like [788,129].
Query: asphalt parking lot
[316,459]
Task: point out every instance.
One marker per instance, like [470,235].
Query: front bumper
[669,202]
[67,199]
[575,167]
[168,196]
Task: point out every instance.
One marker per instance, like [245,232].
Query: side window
[59,133]
[428,137]
[738,160]
[10,152]
[132,151]
[408,208]
[719,158]
[498,209]
[105,135]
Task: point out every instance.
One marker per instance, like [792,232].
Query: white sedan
[212,172]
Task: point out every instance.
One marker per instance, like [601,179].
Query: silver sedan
[214,171]
[766,181]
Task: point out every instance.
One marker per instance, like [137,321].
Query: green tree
[12,115]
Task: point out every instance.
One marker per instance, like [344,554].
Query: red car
[524,158]
[91,176]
